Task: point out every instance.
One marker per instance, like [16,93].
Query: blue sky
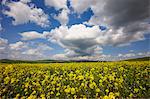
[69,29]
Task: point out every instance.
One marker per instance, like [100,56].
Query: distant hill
[64,61]
[44,61]
[139,59]
[26,61]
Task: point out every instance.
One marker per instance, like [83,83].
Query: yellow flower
[111,95]
[100,80]
[82,84]
[107,90]
[136,90]
[34,92]
[26,84]
[117,94]
[22,97]
[75,96]
[91,77]
[121,68]
[32,97]
[84,97]
[81,77]
[111,77]
[17,96]
[57,94]
[67,90]
[6,80]
[13,80]
[42,96]
[105,97]
[91,86]
[57,88]
[73,91]
[97,90]
[52,92]
[131,95]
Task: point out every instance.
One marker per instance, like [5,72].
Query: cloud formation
[31,35]
[34,51]
[3,42]
[23,50]
[27,13]
[3,47]
[78,39]
[57,4]
[61,6]
[1,27]
[104,57]
[17,46]
[126,22]
[127,16]
[63,17]
[114,12]
[80,6]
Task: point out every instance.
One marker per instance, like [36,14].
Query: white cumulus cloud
[58,4]
[125,19]
[80,40]
[3,41]
[24,50]
[17,46]
[62,17]
[31,35]
[22,13]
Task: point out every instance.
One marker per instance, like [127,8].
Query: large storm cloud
[126,22]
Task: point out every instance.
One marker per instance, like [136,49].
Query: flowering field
[106,80]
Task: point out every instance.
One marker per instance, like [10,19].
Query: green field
[108,80]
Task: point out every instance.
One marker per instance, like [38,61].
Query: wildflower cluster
[108,80]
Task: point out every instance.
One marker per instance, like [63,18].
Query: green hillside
[140,59]
[62,61]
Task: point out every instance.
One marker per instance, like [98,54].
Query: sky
[74,29]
